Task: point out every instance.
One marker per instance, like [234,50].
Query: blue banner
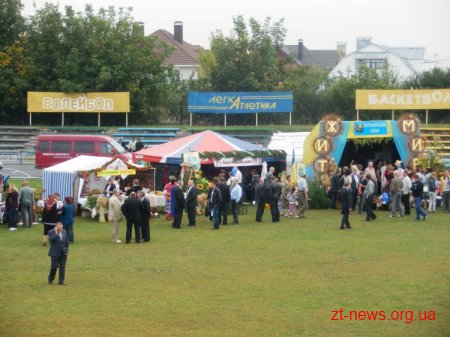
[240,102]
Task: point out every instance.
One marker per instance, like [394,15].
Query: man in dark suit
[226,198]
[215,202]
[346,197]
[146,212]
[334,188]
[131,208]
[191,202]
[59,248]
[261,196]
[179,203]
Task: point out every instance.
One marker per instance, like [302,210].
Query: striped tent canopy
[61,177]
[205,142]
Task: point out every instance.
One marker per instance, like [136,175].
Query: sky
[320,23]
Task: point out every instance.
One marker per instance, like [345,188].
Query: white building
[403,61]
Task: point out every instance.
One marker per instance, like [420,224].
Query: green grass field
[265,279]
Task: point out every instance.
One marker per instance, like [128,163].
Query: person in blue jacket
[67,217]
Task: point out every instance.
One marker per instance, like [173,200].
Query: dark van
[54,149]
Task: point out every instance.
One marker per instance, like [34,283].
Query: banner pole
[190,119]
[62,119]
[30,118]
[98,119]
[357,115]
[225,120]
[256,119]
[426,117]
[290,118]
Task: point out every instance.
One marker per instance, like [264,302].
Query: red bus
[54,149]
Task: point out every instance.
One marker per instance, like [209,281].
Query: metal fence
[21,157]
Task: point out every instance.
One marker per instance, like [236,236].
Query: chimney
[363,41]
[178,31]
[300,49]
[341,50]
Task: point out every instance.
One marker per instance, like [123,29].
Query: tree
[12,23]
[247,60]
[432,79]
[339,94]
[107,51]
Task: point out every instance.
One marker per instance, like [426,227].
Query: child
[291,199]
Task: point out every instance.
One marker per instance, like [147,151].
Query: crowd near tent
[209,144]
[78,176]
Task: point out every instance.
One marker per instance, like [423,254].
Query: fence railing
[20,157]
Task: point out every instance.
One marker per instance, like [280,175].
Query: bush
[317,195]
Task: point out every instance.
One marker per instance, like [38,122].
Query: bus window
[60,147]
[44,147]
[84,147]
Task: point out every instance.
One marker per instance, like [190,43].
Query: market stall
[80,176]
[214,150]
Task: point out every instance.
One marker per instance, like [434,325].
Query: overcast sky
[320,23]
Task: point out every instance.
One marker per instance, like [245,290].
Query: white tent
[292,143]
[61,177]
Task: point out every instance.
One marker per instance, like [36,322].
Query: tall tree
[246,60]
[107,51]
[12,23]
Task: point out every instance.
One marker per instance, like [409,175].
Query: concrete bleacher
[17,138]
[148,136]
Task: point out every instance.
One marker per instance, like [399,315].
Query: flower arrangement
[201,182]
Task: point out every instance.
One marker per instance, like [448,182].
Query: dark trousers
[223,213]
[354,199]
[58,262]
[177,218]
[191,215]
[235,211]
[137,231]
[69,230]
[145,230]
[216,218]
[407,203]
[370,215]
[260,209]
[345,219]
[12,218]
[333,196]
[274,210]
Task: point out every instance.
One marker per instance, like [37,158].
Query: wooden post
[426,117]
[256,119]
[62,119]
[190,119]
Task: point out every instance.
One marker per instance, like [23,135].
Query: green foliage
[317,195]
[12,22]
[339,93]
[247,60]
[432,157]
[370,142]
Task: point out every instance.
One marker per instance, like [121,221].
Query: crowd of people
[389,186]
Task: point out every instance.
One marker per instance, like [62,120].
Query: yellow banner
[95,102]
[107,173]
[430,99]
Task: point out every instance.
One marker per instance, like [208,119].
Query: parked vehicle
[54,149]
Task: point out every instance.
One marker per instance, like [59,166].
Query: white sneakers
[12,229]
[117,241]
